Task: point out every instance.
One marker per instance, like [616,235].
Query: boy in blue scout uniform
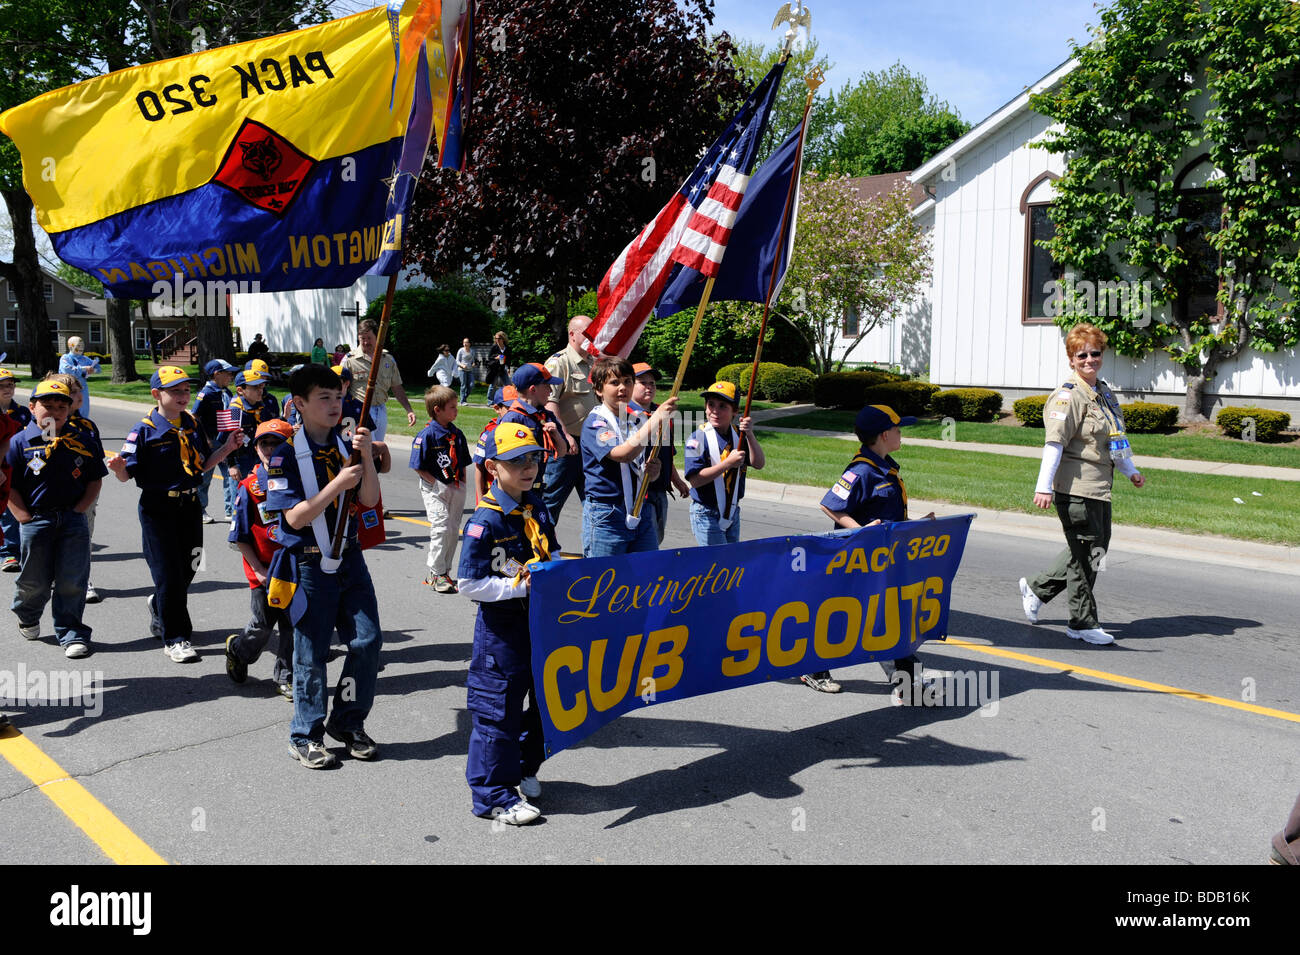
[250,408]
[166,454]
[613,452]
[510,530]
[439,456]
[307,479]
[714,464]
[533,389]
[643,395]
[871,492]
[58,468]
[213,397]
[351,406]
[21,417]
[85,424]
[270,403]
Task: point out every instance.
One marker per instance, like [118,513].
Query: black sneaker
[236,668]
[360,746]
[312,754]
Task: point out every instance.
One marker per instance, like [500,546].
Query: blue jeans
[605,531]
[229,487]
[55,553]
[344,600]
[704,524]
[563,474]
[656,505]
[466,384]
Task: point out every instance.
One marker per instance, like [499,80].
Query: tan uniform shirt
[575,397]
[1075,418]
[359,364]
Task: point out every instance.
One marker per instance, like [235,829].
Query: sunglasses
[1087,354]
[524,460]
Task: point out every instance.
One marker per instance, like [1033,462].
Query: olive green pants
[1087,538]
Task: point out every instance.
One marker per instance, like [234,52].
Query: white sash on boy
[310,488]
[630,473]
[720,495]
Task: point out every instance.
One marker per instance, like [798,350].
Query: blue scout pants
[55,552]
[562,476]
[265,621]
[505,740]
[344,600]
[171,529]
[605,531]
[656,506]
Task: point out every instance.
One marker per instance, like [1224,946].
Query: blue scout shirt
[166,457]
[249,416]
[284,488]
[604,475]
[869,489]
[54,474]
[496,544]
[696,459]
[441,451]
[210,400]
[22,415]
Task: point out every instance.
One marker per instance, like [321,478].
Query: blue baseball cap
[873,419]
[533,373]
[169,376]
[216,365]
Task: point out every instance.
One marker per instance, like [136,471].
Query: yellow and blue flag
[287,161]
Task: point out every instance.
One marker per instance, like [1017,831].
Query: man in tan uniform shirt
[571,402]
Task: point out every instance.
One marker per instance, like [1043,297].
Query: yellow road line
[89,814]
[1126,680]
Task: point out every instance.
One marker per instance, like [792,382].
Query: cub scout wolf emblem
[264,168]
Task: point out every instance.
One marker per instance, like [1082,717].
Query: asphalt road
[1070,768]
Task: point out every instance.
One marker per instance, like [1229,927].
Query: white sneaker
[1029,600]
[75,651]
[530,787]
[1092,635]
[30,633]
[208,518]
[92,595]
[520,814]
[181,652]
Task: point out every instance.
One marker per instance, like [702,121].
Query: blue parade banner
[614,634]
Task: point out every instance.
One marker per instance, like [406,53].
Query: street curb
[1225,551]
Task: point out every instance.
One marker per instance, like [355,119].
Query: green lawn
[1191,447]
[1191,503]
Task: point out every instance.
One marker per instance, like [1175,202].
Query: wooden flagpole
[341,520]
[814,79]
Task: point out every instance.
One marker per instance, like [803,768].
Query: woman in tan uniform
[1084,443]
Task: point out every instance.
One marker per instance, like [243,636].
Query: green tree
[753,61]
[424,318]
[850,253]
[1134,115]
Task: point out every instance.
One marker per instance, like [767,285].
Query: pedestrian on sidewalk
[1084,444]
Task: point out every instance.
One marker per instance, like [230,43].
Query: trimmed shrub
[845,389]
[1268,423]
[905,397]
[776,382]
[732,373]
[1030,410]
[967,404]
[1145,417]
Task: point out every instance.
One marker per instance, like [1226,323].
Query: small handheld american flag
[226,420]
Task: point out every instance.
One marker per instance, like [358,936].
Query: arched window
[1039,269]
[1201,204]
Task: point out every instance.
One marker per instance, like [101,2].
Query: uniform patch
[418,441]
[848,477]
[128,448]
[276,461]
[133,435]
[839,491]
[605,436]
[692,445]
[474,530]
[277,484]
[1057,415]
[369,518]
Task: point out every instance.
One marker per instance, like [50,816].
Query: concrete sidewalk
[1273,558]
[1144,461]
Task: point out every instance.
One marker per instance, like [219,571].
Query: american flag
[691,230]
[226,420]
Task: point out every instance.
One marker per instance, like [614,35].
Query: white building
[982,322]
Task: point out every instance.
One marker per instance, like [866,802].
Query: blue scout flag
[286,161]
[745,273]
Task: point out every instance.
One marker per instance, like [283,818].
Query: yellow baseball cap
[6,374]
[52,388]
[724,390]
[508,441]
[169,376]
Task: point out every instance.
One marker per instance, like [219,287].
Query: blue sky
[975,54]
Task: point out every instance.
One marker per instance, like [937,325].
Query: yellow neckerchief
[329,456]
[532,528]
[70,438]
[190,460]
[885,467]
